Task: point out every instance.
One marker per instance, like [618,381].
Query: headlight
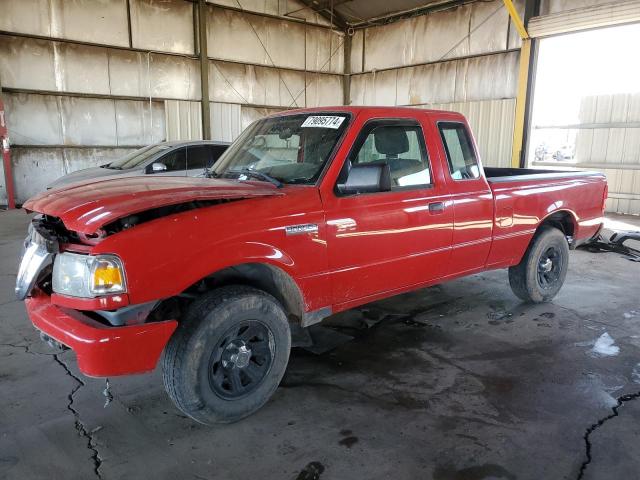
[87,275]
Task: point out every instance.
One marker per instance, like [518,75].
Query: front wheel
[228,355]
[541,273]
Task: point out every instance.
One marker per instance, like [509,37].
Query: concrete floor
[457,382]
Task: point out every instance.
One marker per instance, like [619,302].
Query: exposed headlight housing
[88,276]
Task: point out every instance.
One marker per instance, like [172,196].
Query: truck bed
[496,175]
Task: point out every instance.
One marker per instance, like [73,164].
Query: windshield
[137,158]
[291,149]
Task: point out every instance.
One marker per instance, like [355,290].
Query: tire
[200,372]
[541,273]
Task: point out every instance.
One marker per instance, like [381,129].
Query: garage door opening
[586,109]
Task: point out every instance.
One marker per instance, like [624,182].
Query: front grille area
[52,228]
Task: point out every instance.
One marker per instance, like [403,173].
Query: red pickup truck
[308,213]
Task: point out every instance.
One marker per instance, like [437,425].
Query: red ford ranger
[308,213]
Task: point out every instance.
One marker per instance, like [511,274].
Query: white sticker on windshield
[322,122]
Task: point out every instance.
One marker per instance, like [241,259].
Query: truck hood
[86,207]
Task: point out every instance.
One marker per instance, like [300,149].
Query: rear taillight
[604,196]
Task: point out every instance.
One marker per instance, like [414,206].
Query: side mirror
[367,178]
[157,167]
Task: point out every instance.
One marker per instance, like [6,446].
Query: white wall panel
[173,77]
[478,28]
[248,84]
[94,21]
[138,123]
[427,84]
[471,79]
[251,114]
[26,16]
[183,120]
[57,66]
[243,37]
[492,124]
[60,120]
[490,77]
[27,63]
[35,168]
[240,37]
[163,25]
[226,121]
[488,27]
[325,50]
[323,90]
[81,69]
[33,119]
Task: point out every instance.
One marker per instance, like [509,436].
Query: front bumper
[102,351]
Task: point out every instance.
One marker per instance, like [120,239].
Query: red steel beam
[6,158]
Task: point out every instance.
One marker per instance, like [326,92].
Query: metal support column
[204,69]
[517,153]
[346,74]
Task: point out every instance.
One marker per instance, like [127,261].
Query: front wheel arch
[262,276]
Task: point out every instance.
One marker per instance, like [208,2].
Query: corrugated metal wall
[492,125]
[463,59]
[83,86]
[608,139]
[77,96]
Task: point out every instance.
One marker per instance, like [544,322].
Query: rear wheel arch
[563,220]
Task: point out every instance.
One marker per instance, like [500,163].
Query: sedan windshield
[136,158]
[291,149]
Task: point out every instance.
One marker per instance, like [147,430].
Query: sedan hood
[86,207]
[87,174]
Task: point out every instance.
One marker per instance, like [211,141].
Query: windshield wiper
[261,176]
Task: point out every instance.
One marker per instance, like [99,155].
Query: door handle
[436,208]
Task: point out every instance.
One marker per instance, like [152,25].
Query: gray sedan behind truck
[182,158]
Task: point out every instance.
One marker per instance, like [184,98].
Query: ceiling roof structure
[360,13]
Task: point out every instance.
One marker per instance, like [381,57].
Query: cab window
[399,146]
[463,164]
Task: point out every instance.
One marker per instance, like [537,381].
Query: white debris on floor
[604,346]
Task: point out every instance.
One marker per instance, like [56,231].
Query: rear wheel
[228,354]
[541,273]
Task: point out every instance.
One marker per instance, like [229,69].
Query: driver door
[390,240]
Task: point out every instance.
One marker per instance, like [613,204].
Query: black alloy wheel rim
[549,267]
[241,359]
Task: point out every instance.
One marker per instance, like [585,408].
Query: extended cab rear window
[463,164]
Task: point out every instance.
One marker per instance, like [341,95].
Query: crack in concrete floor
[587,442]
[78,423]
